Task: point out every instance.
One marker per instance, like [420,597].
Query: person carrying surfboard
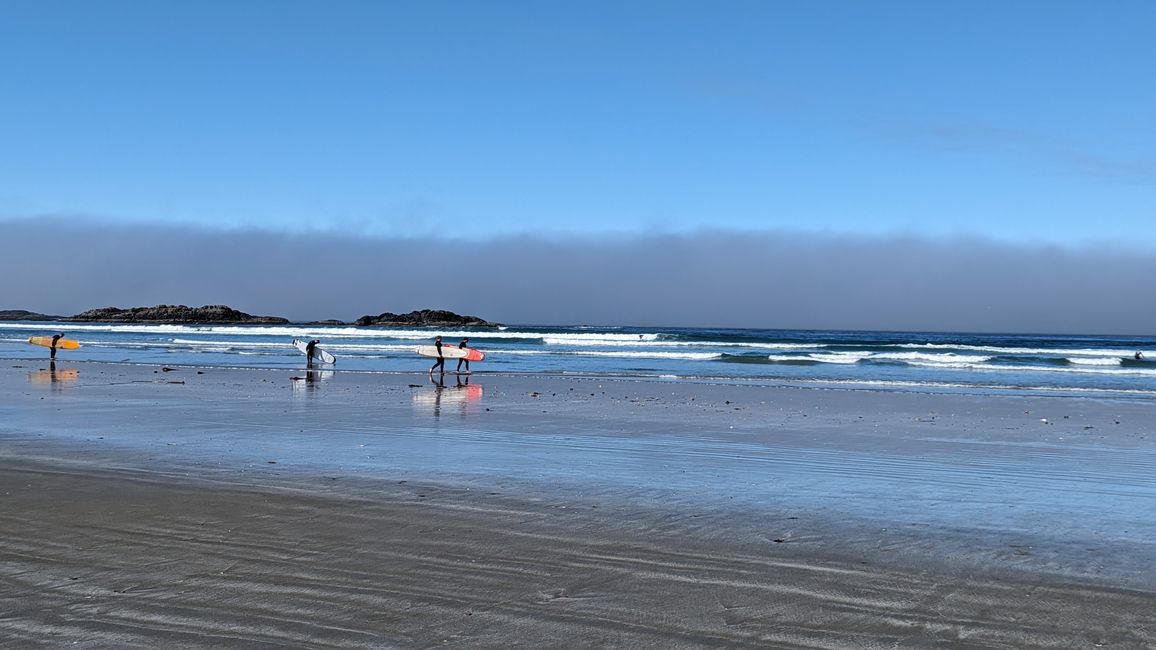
[309,352]
[441,362]
[52,348]
[463,345]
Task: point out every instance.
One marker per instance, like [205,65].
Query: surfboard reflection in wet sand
[462,395]
[53,376]
[310,380]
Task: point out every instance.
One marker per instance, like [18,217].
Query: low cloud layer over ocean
[773,280]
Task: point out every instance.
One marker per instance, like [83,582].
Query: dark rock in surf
[175,314]
[424,318]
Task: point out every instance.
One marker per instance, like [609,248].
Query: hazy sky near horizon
[711,279]
[683,135]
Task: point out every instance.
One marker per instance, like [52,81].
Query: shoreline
[994,364]
[755,381]
[609,512]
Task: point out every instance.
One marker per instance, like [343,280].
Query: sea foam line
[1056,352]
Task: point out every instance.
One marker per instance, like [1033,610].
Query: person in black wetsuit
[309,352]
[441,362]
[52,348]
[463,345]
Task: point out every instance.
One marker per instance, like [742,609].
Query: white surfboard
[451,352]
[318,353]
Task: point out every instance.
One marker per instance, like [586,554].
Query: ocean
[924,361]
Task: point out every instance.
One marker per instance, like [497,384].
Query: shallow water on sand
[900,361]
[1070,479]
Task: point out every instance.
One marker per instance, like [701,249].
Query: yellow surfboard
[46,341]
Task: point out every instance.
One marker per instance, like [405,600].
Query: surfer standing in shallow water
[52,348]
[309,352]
[441,362]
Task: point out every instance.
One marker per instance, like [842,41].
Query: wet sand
[243,508]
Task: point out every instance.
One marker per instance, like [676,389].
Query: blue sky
[973,166]
[1017,121]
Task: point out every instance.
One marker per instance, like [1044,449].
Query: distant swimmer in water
[1139,355]
[463,345]
[52,348]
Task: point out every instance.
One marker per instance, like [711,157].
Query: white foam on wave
[885,384]
[1056,352]
[599,339]
[1087,366]
[1082,365]
[954,365]
[643,354]
[579,340]
[837,357]
[308,331]
[796,357]
[330,331]
[238,344]
[950,358]
[102,327]
[1084,370]
[1096,361]
[501,334]
[361,347]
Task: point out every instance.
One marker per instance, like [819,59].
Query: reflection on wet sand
[53,376]
[310,380]
[462,393]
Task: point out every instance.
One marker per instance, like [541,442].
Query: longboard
[451,352]
[61,344]
[318,353]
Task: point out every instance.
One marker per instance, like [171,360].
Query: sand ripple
[125,561]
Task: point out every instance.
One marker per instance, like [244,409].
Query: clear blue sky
[1018,121]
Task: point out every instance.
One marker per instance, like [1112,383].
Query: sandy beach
[144,507]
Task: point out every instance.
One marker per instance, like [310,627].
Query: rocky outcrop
[424,318]
[174,314]
[180,314]
[22,314]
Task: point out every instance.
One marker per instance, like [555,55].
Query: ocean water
[878,360]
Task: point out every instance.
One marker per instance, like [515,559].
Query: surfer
[52,348]
[463,345]
[1139,355]
[441,362]
[309,352]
